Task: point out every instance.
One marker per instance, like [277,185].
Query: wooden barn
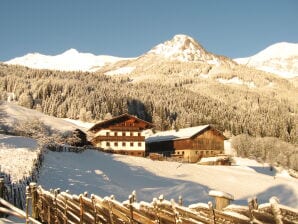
[191,144]
[123,134]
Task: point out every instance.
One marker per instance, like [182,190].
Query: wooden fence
[15,192]
[62,207]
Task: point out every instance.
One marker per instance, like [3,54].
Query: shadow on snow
[100,174]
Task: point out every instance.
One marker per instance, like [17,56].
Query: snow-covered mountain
[70,60]
[183,48]
[279,58]
[180,49]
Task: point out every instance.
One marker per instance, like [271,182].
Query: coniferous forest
[171,103]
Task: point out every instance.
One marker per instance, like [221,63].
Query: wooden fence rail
[62,207]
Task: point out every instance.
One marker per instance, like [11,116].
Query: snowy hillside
[106,174]
[11,113]
[280,59]
[17,155]
[70,60]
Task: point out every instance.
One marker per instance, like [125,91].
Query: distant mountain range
[280,59]
[70,60]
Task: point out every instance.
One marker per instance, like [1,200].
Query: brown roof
[120,118]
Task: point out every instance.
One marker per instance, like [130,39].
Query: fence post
[33,189]
[276,210]
[222,199]
[131,201]
[27,203]
[81,209]
[111,209]
[212,213]
[1,191]
[180,200]
[94,208]
[252,205]
[1,187]
[56,192]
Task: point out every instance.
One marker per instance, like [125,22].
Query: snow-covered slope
[279,58]
[11,113]
[106,174]
[70,60]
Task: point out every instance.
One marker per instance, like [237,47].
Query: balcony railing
[119,138]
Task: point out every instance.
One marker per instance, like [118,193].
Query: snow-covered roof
[179,134]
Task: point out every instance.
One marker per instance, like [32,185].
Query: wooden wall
[208,143]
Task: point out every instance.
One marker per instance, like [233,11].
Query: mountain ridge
[69,60]
[280,59]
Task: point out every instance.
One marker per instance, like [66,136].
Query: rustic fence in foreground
[62,207]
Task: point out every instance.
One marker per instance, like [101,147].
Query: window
[139,144]
[182,152]
[115,143]
[108,133]
[115,133]
[139,134]
[131,144]
[131,133]
[123,144]
[108,144]
[123,133]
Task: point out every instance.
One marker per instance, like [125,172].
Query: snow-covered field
[17,155]
[106,174]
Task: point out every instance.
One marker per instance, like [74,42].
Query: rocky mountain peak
[182,48]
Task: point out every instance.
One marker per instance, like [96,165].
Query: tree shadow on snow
[264,170]
[284,193]
[18,142]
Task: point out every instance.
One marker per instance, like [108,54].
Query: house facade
[191,144]
[123,134]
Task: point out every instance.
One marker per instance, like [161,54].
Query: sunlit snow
[70,60]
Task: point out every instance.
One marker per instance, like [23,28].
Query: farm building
[123,134]
[191,144]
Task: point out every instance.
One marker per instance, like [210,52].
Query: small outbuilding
[191,144]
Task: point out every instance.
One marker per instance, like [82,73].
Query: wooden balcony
[119,138]
[125,128]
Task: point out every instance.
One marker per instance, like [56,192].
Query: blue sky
[129,28]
